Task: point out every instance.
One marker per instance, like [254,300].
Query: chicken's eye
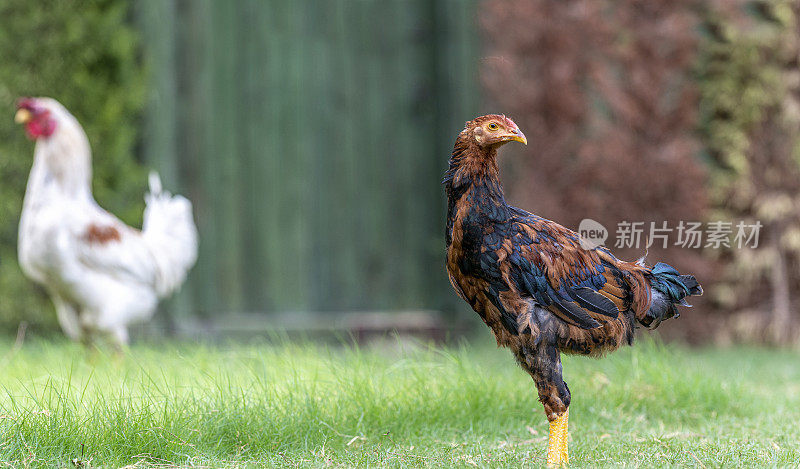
[492,126]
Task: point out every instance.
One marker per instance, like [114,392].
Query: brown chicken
[534,284]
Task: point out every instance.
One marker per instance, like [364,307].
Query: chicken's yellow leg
[557,454]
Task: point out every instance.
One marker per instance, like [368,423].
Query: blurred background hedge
[749,81]
[83,53]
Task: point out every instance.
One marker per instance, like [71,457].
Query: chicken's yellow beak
[518,136]
[23,116]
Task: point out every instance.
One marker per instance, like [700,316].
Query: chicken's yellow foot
[557,453]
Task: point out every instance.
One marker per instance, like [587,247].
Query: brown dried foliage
[604,93]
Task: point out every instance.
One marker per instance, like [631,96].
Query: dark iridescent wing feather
[548,264]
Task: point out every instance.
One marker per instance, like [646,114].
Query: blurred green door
[311,137]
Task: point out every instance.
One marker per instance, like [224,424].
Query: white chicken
[101,274]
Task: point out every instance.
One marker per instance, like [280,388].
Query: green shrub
[85,54]
[751,129]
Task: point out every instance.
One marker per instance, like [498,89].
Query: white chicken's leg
[120,337]
[67,317]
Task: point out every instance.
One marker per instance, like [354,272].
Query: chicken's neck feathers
[62,166]
[473,169]
[472,184]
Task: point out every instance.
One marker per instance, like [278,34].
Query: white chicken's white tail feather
[170,232]
[154,181]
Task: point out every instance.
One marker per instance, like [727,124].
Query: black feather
[692,284]
[594,302]
[575,315]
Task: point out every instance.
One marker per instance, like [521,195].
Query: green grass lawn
[316,406]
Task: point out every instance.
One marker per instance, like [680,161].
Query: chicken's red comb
[500,117]
[26,103]
[510,122]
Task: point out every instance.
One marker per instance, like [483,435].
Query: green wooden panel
[157,19]
[311,137]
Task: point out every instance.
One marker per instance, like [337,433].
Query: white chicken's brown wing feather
[116,250]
